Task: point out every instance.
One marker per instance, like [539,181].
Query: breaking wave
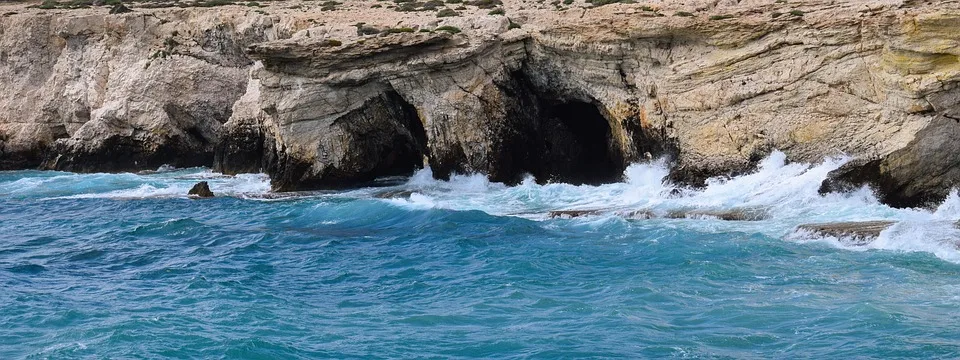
[779,196]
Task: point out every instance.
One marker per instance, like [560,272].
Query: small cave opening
[578,144]
[559,137]
[404,152]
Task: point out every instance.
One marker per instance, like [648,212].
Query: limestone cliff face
[572,96]
[88,91]
[579,97]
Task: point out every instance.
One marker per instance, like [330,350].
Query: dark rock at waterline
[201,190]
[855,233]
[645,214]
[919,175]
[569,214]
[120,153]
[241,149]
[628,214]
[383,137]
[851,176]
[23,159]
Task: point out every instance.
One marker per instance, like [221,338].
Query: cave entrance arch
[403,143]
[579,147]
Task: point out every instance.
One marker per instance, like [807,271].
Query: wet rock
[201,190]
[727,215]
[119,153]
[854,233]
[569,214]
[394,194]
[920,174]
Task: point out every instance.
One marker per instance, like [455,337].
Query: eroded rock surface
[86,90]
[321,99]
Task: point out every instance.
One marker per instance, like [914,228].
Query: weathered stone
[571,96]
[854,233]
[88,91]
[201,190]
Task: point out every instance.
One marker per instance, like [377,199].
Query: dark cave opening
[406,151]
[578,145]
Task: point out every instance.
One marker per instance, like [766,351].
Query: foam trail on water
[164,183]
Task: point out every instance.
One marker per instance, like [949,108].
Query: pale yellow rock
[847,77]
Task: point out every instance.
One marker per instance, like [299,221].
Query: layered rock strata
[571,95]
[88,91]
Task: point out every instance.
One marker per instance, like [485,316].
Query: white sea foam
[169,183]
[786,192]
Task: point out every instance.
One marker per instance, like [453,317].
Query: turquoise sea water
[124,266]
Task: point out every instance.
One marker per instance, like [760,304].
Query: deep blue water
[123,266]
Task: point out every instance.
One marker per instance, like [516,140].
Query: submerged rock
[201,190]
[646,214]
[636,214]
[728,215]
[628,214]
[854,233]
[569,214]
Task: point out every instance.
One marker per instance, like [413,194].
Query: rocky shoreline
[323,95]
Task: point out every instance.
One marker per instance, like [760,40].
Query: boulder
[201,190]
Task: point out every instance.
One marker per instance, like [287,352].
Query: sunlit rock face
[569,96]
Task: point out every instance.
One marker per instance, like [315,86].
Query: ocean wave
[777,197]
[166,183]
[784,194]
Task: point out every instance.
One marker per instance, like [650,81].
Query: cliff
[573,93]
